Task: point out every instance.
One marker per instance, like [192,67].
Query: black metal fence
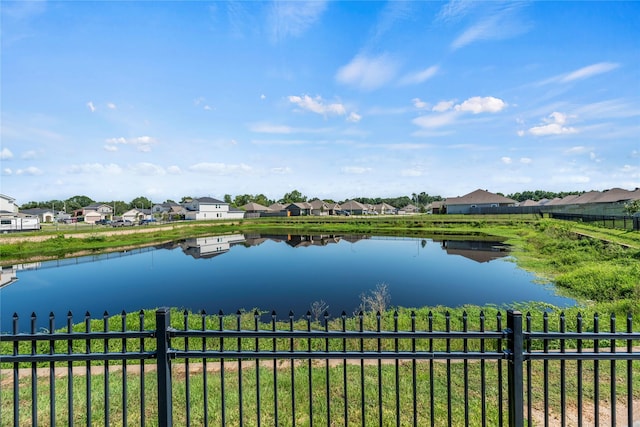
[624,222]
[254,369]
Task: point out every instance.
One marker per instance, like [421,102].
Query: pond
[270,272]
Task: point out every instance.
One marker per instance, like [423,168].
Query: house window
[494,205]
[474,206]
[5,222]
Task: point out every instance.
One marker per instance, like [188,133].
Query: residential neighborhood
[608,202]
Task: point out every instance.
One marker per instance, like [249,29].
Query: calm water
[279,273]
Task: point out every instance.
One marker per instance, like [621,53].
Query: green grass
[311,401]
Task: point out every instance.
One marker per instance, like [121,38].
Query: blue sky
[116,100]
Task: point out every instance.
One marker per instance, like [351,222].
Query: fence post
[165,400]
[515,368]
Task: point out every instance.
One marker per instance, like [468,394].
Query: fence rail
[254,369]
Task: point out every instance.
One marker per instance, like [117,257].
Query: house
[354,208]
[409,209]
[476,199]
[8,204]
[299,209]
[45,215]
[95,212]
[277,207]
[319,208]
[206,208]
[254,208]
[384,209]
[608,202]
[136,215]
[168,210]
[436,207]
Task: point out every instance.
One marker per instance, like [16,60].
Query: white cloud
[31,170]
[579,149]
[263,96]
[355,170]
[317,105]
[270,128]
[7,171]
[142,143]
[418,103]
[420,76]
[6,154]
[477,104]
[499,21]
[146,168]
[219,168]
[91,107]
[367,73]
[174,170]
[95,169]
[554,126]
[111,106]
[293,18]
[435,121]
[526,160]
[354,117]
[443,106]
[590,71]
[111,148]
[506,160]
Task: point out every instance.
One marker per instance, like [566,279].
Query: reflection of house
[208,247]
[476,199]
[297,240]
[475,250]
[9,274]
[205,208]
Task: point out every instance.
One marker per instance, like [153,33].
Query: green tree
[141,203]
[293,197]
[227,199]
[78,202]
[632,207]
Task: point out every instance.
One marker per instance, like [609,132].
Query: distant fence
[244,370]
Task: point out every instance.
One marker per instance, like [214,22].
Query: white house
[207,208]
[8,204]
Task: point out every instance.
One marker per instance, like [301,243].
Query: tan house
[476,199]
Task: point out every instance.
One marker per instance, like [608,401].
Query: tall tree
[78,202]
[141,203]
[293,197]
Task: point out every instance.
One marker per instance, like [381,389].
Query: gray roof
[479,197]
[210,200]
[254,207]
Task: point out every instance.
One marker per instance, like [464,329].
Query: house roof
[479,197]
[210,200]
[277,206]
[255,207]
[352,205]
[529,202]
[299,205]
[36,211]
[318,204]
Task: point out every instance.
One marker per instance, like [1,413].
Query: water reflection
[278,272]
